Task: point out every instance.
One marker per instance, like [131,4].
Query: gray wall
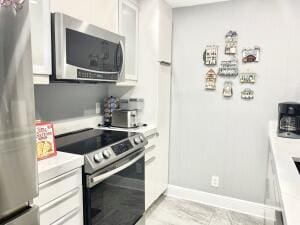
[211,135]
[62,101]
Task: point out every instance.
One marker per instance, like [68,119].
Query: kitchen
[149,112]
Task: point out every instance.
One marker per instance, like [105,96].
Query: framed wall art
[231,40]
[248,77]
[210,55]
[227,89]
[250,55]
[229,68]
[210,80]
[247,94]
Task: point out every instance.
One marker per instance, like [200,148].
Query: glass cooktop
[88,140]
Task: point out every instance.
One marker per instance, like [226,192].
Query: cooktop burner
[89,140]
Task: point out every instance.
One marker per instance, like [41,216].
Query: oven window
[119,200]
[92,53]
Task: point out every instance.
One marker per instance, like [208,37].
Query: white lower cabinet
[60,199]
[156,170]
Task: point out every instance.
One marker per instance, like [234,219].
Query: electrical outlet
[98,108]
[215,181]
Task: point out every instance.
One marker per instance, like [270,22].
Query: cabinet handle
[59,200]
[152,135]
[150,160]
[66,217]
[57,179]
[164,63]
[152,147]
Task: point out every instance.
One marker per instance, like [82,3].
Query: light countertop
[284,151]
[146,130]
[58,165]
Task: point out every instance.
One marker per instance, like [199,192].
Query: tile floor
[172,211]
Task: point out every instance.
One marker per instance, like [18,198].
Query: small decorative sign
[231,40]
[210,80]
[210,55]
[229,68]
[227,90]
[247,94]
[250,55]
[247,77]
[45,140]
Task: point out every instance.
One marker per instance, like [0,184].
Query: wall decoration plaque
[210,80]
[210,55]
[247,94]
[250,55]
[227,89]
[229,68]
[231,40]
[248,77]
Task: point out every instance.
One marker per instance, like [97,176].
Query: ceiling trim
[185,3]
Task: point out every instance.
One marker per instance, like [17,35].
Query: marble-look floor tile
[173,211]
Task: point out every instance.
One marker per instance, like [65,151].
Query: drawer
[75,217]
[59,208]
[150,152]
[58,186]
[152,139]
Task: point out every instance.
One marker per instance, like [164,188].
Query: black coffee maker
[289,120]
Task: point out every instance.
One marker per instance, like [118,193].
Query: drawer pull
[59,200]
[152,147]
[66,217]
[156,134]
[150,160]
[57,179]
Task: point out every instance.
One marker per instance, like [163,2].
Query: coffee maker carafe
[289,120]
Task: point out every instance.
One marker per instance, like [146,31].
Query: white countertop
[58,165]
[284,151]
[146,130]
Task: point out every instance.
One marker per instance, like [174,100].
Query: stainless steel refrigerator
[18,166]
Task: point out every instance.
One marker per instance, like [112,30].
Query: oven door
[116,194]
[84,52]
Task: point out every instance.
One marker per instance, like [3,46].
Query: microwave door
[18,165]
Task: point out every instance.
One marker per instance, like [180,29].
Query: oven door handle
[102,177]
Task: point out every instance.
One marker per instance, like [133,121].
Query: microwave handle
[98,179]
[122,72]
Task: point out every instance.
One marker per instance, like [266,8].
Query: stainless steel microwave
[85,53]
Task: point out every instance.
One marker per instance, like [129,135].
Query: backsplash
[61,101]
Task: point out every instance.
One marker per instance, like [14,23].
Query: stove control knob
[137,140]
[98,158]
[106,154]
[142,139]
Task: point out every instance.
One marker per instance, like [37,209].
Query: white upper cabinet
[80,9]
[41,40]
[129,27]
[165,32]
[104,14]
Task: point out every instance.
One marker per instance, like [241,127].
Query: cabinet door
[75,8]
[165,32]
[163,124]
[41,36]
[105,14]
[129,14]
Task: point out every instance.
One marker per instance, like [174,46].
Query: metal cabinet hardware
[164,63]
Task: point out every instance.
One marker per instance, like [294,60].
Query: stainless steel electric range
[113,174]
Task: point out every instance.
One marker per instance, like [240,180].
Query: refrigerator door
[18,166]
[28,217]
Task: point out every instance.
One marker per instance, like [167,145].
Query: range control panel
[103,157]
[122,147]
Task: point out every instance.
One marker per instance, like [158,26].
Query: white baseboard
[219,201]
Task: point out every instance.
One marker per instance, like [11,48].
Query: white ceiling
[184,3]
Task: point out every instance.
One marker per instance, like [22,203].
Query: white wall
[228,137]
